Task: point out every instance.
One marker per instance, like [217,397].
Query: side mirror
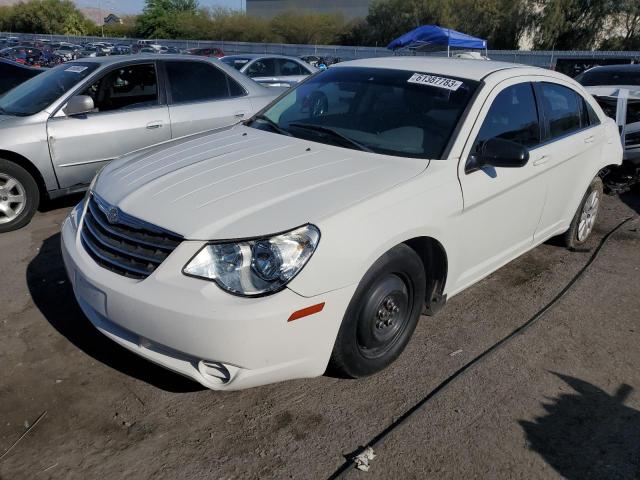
[499,153]
[78,105]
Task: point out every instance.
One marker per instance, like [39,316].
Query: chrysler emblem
[112,215]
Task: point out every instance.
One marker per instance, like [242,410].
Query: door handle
[541,160]
[589,139]
[152,125]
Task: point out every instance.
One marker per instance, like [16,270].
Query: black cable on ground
[375,441]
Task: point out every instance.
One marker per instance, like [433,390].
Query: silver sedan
[59,128]
[271,70]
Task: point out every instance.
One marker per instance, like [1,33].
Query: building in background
[350,9]
[112,19]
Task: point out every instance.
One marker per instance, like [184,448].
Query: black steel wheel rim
[385,316]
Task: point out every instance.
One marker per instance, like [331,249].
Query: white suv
[319,231]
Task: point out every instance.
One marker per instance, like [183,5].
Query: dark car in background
[205,52]
[13,74]
[617,89]
[22,54]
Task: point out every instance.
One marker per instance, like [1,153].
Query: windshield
[41,91]
[593,78]
[385,111]
[236,62]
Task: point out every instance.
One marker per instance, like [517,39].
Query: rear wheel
[586,215]
[19,196]
[382,314]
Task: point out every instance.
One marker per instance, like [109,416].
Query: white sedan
[316,234]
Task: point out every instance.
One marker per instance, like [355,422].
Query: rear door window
[265,67]
[196,82]
[290,68]
[563,109]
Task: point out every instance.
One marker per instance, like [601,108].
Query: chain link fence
[546,59]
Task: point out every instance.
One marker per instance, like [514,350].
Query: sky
[135,6]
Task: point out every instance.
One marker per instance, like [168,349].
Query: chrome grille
[124,244]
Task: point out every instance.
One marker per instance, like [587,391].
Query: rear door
[263,71]
[502,206]
[129,114]
[290,72]
[203,97]
[572,149]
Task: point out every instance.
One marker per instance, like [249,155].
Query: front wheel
[19,196]
[586,215]
[382,314]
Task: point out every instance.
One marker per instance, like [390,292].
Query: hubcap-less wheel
[588,216]
[12,198]
[384,317]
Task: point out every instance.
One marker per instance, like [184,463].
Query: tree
[159,18]
[626,18]
[388,19]
[501,22]
[46,16]
[571,24]
[308,28]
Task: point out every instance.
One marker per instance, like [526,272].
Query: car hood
[6,118]
[245,182]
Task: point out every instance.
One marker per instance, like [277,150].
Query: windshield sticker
[433,81]
[76,69]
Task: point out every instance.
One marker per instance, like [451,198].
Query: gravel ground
[560,400]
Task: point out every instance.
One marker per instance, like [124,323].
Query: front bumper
[185,324]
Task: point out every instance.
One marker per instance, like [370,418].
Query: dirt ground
[560,400]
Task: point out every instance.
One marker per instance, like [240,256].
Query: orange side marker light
[305,312]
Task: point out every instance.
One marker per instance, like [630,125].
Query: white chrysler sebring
[316,233]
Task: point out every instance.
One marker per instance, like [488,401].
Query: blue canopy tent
[431,35]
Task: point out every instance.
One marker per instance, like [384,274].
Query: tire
[16,184]
[381,316]
[586,215]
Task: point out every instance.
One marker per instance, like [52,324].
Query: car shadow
[53,294]
[632,199]
[67,201]
[588,434]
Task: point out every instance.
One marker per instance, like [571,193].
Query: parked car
[68,52]
[13,74]
[121,49]
[617,89]
[169,50]
[90,51]
[22,54]
[271,70]
[140,44]
[311,60]
[59,128]
[305,238]
[205,52]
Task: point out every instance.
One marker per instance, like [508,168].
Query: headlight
[76,214]
[255,267]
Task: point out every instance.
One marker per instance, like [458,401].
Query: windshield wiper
[333,133]
[272,124]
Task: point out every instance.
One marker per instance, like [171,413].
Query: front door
[502,206]
[128,115]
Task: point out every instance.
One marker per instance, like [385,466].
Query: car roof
[616,68]
[253,56]
[112,60]
[456,67]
